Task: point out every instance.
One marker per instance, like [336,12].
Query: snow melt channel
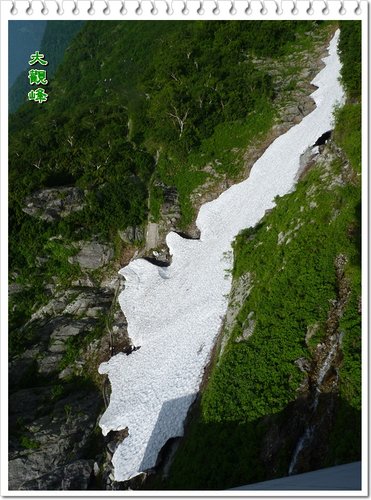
[175,313]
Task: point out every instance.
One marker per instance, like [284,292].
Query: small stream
[316,391]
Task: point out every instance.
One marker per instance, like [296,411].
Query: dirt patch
[152,237]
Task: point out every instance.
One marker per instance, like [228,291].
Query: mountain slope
[132,133]
[284,395]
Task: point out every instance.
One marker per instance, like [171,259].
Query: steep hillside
[284,394]
[137,136]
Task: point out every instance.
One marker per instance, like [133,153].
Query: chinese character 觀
[37,76]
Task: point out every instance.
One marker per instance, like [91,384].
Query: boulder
[92,255]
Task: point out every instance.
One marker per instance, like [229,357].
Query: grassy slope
[223,148]
[293,284]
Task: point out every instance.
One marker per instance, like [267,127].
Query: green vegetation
[257,377]
[137,105]
[348,128]
[303,265]
[206,105]
[350,49]
[348,132]
[290,256]
[28,443]
[346,436]
[348,136]
[187,94]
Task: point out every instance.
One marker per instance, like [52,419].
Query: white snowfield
[174,314]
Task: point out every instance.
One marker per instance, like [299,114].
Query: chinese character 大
[37,58]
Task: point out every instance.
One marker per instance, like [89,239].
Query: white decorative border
[187,9]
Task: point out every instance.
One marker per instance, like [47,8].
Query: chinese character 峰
[38,95]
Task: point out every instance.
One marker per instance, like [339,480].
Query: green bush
[348,133]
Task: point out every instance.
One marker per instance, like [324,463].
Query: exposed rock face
[84,281]
[55,306]
[40,453]
[52,419]
[90,303]
[248,328]
[20,366]
[66,329]
[241,290]
[54,203]
[50,363]
[74,476]
[92,255]
[170,215]
[14,288]
[132,234]
[49,434]
[25,404]
[78,313]
[170,207]
[152,237]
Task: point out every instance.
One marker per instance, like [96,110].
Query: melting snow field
[175,313]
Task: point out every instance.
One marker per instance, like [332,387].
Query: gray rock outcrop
[39,457]
[89,303]
[132,234]
[73,476]
[52,204]
[92,255]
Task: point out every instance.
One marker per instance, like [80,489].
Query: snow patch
[175,313]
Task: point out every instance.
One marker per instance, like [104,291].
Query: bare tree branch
[180,121]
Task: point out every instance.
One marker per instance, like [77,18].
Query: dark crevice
[157,262]
[323,138]
[131,349]
[188,236]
